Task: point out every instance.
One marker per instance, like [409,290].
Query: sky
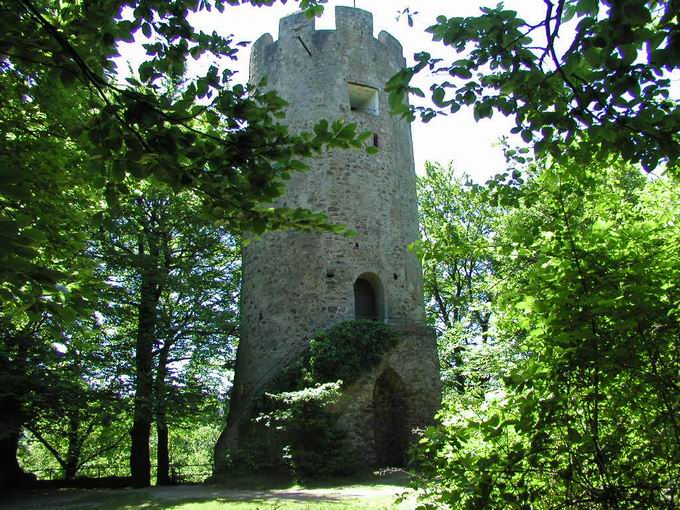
[471,147]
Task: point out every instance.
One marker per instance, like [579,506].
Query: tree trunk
[73,453]
[13,370]
[153,271]
[162,451]
[140,463]
[11,474]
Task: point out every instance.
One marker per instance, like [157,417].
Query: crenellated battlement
[351,19]
[350,23]
[295,25]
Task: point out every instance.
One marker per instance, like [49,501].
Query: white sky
[472,147]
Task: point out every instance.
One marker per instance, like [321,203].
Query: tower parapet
[354,22]
[295,25]
[394,48]
[354,25]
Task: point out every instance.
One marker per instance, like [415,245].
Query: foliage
[192,443]
[611,82]
[41,241]
[588,298]
[348,350]
[73,134]
[80,418]
[199,277]
[457,227]
[295,430]
[315,445]
[41,374]
[83,416]
[172,309]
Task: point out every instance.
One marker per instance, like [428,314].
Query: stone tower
[296,283]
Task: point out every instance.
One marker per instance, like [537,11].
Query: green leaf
[438,95]
[297,165]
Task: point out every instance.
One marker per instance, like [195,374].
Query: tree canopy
[582,410]
[607,90]
[67,110]
[573,401]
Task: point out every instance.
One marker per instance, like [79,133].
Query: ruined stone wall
[415,362]
[294,283]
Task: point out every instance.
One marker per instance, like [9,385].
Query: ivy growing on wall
[300,400]
[348,350]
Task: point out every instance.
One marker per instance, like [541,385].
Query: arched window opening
[368,298]
[389,426]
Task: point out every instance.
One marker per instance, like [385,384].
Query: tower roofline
[346,19]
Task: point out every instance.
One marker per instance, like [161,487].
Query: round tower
[297,283]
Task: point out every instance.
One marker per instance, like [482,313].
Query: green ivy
[348,350]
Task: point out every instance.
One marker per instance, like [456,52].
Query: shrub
[314,443]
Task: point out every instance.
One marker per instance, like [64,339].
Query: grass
[248,493]
[141,502]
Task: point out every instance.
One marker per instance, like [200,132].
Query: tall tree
[588,412]
[198,325]
[81,417]
[45,280]
[457,224]
[175,279]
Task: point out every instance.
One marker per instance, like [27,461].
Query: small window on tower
[363,99]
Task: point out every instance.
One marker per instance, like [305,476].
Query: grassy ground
[373,493]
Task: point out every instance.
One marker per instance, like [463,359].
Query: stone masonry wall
[294,283]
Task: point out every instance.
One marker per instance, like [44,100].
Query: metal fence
[179,473]
[190,473]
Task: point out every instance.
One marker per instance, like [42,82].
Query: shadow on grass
[123,500]
[373,490]
[368,478]
[203,497]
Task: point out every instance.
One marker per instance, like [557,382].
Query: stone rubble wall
[294,283]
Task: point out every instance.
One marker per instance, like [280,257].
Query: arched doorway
[389,414]
[369,302]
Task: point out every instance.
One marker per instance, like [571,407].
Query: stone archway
[389,415]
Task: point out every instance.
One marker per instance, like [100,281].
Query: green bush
[314,443]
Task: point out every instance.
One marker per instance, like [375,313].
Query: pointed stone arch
[389,417]
[369,298]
